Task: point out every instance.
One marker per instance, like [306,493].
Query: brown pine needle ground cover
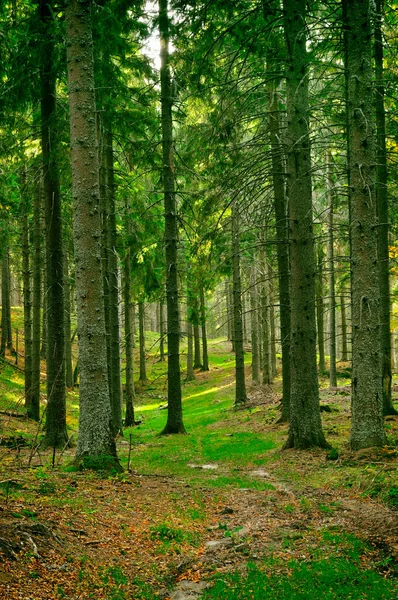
[222,501]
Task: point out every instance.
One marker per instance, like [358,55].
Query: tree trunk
[68,330]
[128,332]
[141,328]
[272,321]
[190,372]
[161,331]
[305,419]
[197,364]
[240,384]
[55,431]
[27,296]
[320,312]
[6,332]
[95,420]
[383,216]
[265,330]
[205,366]
[37,295]
[256,373]
[282,238]
[115,385]
[174,395]
[367,391]
[344,352]
[229,311]
[332,295]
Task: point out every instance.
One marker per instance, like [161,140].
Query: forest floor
[221,512]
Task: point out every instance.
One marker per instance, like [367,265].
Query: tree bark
[383,216]
[6,328]
[256,373]
[205,366]
[27,294]
[128,332]
[161,331]
[320,312]
[141,327]
[332,294]
[95,420]
[305,420]
[367,392]
[55,430]
[174,413]
[34,413]
[240,384]
[195,319]
[68,330]
[344,351]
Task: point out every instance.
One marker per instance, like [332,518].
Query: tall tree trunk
[344,347]
[190,372]
[174,413]
[265,329]
[55,431]
[161,331]
[27,296]
[115,385]
[383,217]
[68,330]
[332,295]
[6,336]
[43,346]
[205,366]
[95,420]
[197,363]
[256,374]
[367,391]
[320,312]
[34,413]
[128,332]
[229,311]
[282,238]
[305,419]
[240,384]
[272,321]
[141,328]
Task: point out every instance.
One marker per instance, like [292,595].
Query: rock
[259,473]
[188,590]
[214,544]
[227,511]
[209,466]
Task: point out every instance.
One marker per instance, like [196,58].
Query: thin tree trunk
[27,295]
[228,309]
[55,430]
[383,216]
[320,312]
[95,419]
[5,303]
[115,385]
[240,384]
[367,391]
[195,317]
[256,373]
[344,346]
[305,419]
[128,332]
[34,413]
[141,327]
[282,237]
[68,330]
[174,413]
[332,295]
[43,347]
[190,372]
[272,321]
[205,366]
[161,331]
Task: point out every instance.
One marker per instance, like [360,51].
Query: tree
[174,414]
[95,420]
[367,393]
[305,421]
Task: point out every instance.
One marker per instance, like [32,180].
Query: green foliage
[165,533]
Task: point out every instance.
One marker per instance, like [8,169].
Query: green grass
[338,574]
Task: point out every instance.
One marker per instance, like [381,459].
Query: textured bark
[68,330]
[265,329]
[27,296]
[190,376]
[36,310]
[344,347]
[95,420]
[383,217]
[174,413]
[128,333]
[256,373]
[320,312]
[272,322]
[161,332]
[240,384]
[6,331]
[228,309]
[55,429]
[141,328]
[305,420]
[197,364]
[282,237]
[115,385]
[331,278]
[367,392]
[205,366]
